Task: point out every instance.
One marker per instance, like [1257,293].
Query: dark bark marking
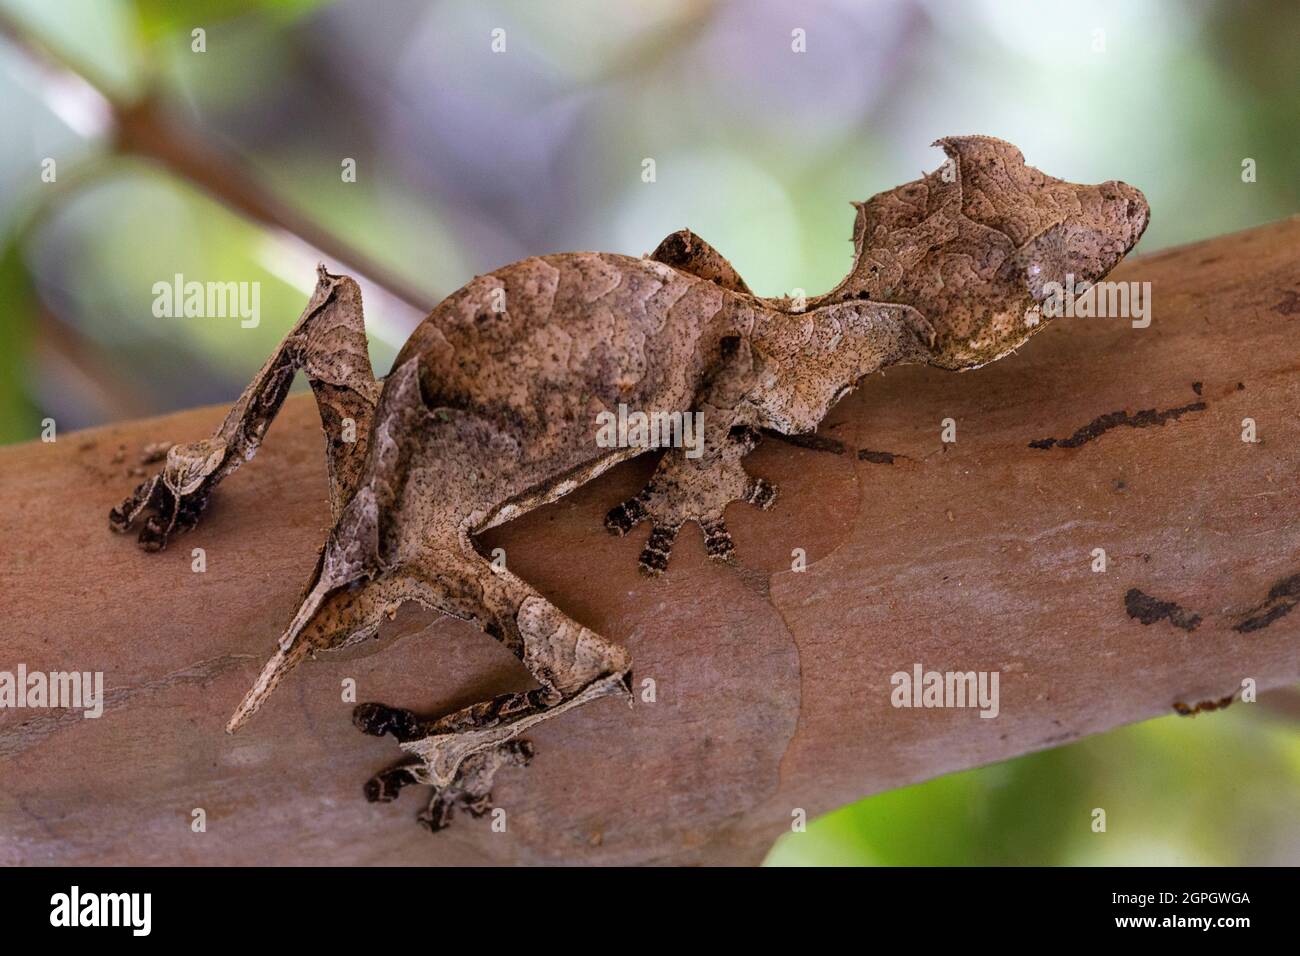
[811,440]
[1290,303]
[1282,597]
[877,457]
[1185,710]
[1149,610]
[1145,418]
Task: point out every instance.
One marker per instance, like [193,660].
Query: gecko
[491,406]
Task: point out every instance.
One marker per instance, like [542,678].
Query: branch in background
[144,129]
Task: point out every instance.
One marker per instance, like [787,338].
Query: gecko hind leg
[402,536]
[686,251]
[460,753]
[686,489]
[328,344]
[482,738]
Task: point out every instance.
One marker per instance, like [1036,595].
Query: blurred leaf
[18,415]
[1215,790]
[158,18]
[89,36]
[1010,813]
[112,242]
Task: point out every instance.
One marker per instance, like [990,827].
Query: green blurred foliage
[1217,789]
[17,411]
[158,19]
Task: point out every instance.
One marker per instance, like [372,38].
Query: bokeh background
[226,165]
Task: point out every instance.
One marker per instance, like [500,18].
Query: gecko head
[977,246]
[1027,287]
[1056,228]
[1086,245]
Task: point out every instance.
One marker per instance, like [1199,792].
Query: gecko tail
[290,651]
[281,662]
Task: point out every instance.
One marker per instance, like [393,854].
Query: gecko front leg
[784,375]
[698,487]
[693,489]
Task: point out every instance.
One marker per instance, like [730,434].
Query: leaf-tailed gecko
[490,410]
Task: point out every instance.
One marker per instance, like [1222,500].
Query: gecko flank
[491,410]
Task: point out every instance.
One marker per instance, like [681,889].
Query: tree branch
[772,688]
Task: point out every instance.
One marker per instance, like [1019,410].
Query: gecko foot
[658,504]
[379,719]
[459,754]
[177,494]
[462,782]
[471,790]
[386,786]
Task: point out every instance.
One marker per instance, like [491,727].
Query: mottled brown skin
[491,410]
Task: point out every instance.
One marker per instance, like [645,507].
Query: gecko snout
[1131,211]
[1113,226]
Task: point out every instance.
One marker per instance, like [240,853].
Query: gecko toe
[172,519]
[717,540]
[521,752]
[438,814]
[379,719]
[385,787]
[153,536]
[148,494]
[171,515]
[654,557]
[625,517]
[762,493]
